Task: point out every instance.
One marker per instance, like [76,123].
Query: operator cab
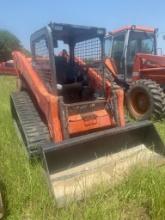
[122,45]
[69,61]
[58,50]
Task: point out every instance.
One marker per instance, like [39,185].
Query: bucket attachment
[77,164]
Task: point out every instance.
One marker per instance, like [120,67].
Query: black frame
[75,33]
[45,33]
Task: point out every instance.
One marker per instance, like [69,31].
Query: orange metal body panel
[110,64]
[120,106]
[129,27]
[47,102]
[95,78]
[101,119]
[150,67]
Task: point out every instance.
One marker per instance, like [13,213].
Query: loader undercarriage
[33,130]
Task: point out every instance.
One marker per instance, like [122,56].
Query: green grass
[23,187]
[26,194]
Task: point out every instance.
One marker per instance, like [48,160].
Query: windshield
[108,46]
[118,50]
[140,42]
[118,46]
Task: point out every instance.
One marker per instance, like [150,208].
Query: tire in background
[145,99]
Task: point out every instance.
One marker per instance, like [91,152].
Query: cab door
[138,42]
[119,51]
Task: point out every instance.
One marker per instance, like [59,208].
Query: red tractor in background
[137,67]
[70,111]
[7,68]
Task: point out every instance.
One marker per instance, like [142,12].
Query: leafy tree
[8,43]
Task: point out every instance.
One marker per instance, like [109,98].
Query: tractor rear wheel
[145,99]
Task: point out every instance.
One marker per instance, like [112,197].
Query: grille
[89,51]
[42,63]
[41,49]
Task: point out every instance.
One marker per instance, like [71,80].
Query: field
[26,195]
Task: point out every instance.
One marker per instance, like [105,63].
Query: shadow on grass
[3,192]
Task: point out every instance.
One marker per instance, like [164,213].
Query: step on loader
[70,111]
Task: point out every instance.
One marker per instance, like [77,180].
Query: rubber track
[34,132]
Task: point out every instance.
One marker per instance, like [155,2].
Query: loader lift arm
[46,101]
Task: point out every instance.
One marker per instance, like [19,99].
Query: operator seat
[66,81]
[61,69]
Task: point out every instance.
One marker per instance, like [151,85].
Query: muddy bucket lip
[64,163]
[95,135]
[78,182]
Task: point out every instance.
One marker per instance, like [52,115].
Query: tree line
[8,43]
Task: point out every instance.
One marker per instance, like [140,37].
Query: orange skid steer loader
[70,111]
